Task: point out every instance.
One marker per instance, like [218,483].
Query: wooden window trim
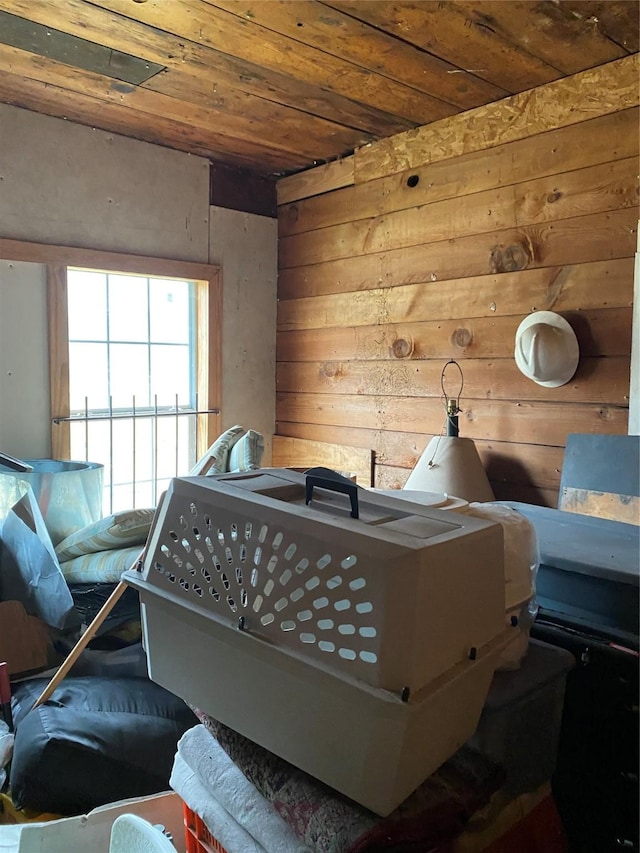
[208,323]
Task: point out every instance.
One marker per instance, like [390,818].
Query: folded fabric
[120,530]
[103,567]
[246,453]
[235,793]
[222,826]
[219,452]
[327,822]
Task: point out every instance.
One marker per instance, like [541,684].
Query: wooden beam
[57,313]
[44,253]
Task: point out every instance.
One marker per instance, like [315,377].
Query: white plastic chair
[133,834]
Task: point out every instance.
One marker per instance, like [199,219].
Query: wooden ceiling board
[201,22]
[444,30]
[551,31]
[280,86]
[212,67]
[239,131]
[342,36]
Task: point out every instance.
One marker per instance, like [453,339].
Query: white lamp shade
[455,469]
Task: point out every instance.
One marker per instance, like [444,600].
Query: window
[132,391]
[134,370]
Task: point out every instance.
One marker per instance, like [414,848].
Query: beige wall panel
[72,185]
[598,91]
[601,140]
[579,240]
[245,247]
[602,284]
[24,367]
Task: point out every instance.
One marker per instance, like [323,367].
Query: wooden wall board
[595,92]
[321,180]
[599,284]
[492,420]
[599,140]
[608,186]
[391,447]
[625,508]
[526,494]
[597,380]
[301,453]
[527,464]
[581,239]
[388,477]
[599,332]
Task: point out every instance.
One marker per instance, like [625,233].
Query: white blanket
[240,818]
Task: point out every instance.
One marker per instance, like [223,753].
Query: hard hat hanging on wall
[546,349]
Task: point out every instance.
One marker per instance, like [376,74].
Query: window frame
[208,283]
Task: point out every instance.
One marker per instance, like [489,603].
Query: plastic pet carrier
[352,634]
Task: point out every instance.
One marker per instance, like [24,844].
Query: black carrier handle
[325,478]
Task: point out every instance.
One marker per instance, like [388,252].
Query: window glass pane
[129,375]
[136,342]
[128,309]
[88,374]
[170,374]
[87,303]
[169,311]
[144,444]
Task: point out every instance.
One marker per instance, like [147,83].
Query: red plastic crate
[197,835]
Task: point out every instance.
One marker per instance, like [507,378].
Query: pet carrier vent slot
[231,543]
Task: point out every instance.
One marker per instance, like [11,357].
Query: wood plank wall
[434,245]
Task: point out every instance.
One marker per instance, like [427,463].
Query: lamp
[450,464]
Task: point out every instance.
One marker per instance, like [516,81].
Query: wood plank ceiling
[278,86]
